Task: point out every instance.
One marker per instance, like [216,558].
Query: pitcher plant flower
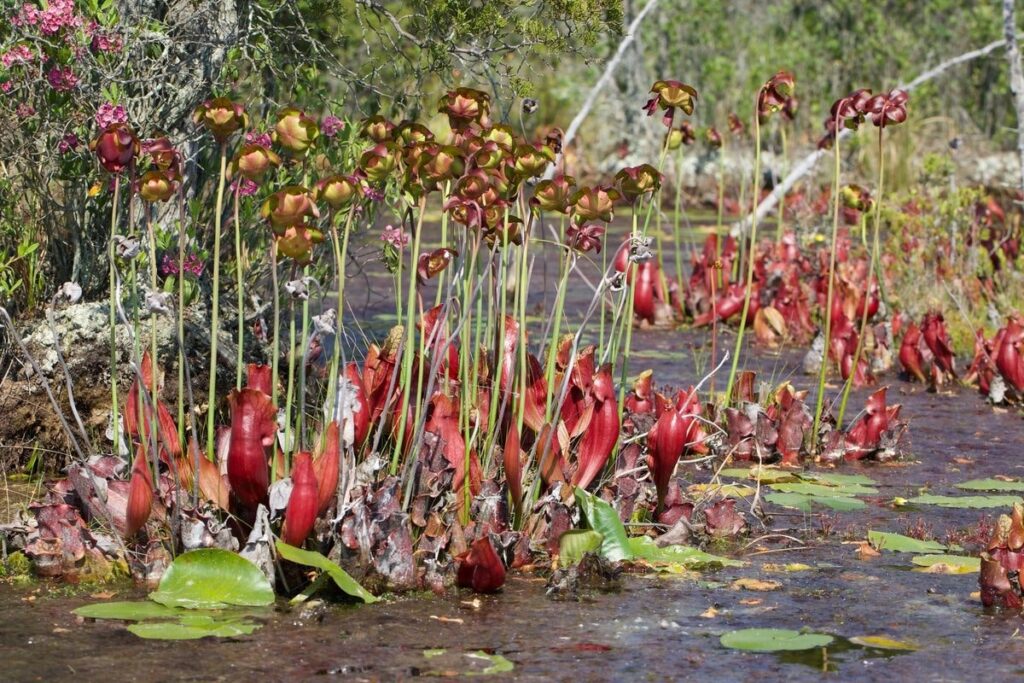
[222,117]
[670,95]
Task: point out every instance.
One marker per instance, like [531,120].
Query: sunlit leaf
[898,543]
[947,564]
[724,490]
[965,501]
[882,643]
[644,548]
[211,578]
[833,479]
[311,558]
[602,518]
[773,640]
[766,475]
[803,502]
[991,485]
[128,611]
[573,544]
[191,629]
[499,664]
[817,490]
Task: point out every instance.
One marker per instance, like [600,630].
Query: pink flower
[19,54]
[68,144]
[257,138]
[6,87]
[245,187]
[106,42]
[27,16]
[62,78]
[59,14]
[25,110]
[330,126]
[107,115]
[395,237]
[372,194]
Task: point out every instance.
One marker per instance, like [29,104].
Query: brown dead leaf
[751,601]
[865,551]
[964,461]
[747,584]
[103,595]
[60,630]
[709,613]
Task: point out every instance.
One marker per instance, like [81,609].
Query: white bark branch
[808,163]
[1016,75]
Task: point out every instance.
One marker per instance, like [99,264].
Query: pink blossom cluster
[372,194]
[108,114]
[106,42]
[193,265]
[19,54]
[68,143]
[395,237]
[244,186]
[58,14]
[25,110]
[6,87]
[331,125]
[258,138]
[62,78]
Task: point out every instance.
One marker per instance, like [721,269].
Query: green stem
[240,285]
[112,257]
[867,285]
[154,425]
[751,257]
[181,319]
[823,370]
[211,394]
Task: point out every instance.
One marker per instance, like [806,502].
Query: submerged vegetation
[245,429]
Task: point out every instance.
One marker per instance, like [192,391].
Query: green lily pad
[602,518]
[803,502]
[819,490]
[833,479]
[193,628]
[573,544]
[210,578]
[965,501]
[314,559]
[644,548]
[991,485]
[882,643]
[498,664]
[128,611]
[898,543]
[773,640]
[766,475]
[947,564]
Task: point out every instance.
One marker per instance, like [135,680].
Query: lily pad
[644,548]
[882,643]
[802,501]
[773,640]
[947,564]
[193,628]
[573,544]
[210,578]
[766,475]
[602,518]
[724,490]
[833,479]
[813,489]
[965,501]
[128,611]
[991,485]
[499,664]
[898,543]
[314,559]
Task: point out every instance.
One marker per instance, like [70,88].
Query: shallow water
[653,627]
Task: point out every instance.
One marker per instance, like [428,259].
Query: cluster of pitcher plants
[465,430]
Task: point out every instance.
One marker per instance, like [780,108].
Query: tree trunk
[1016,76]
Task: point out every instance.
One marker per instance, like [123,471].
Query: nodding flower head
[221,117]
[584,238]
[888,108]
[465,107]
[116,147]
[295,131]
[772,96]
[634,182]
[669,96]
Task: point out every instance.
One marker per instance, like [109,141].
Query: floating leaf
[499,665]
[434,652]
[898,543]
[573,544]
[803,502]
[193,628]
[210,578]
[311,558]
[644,548]
[818,490]
[724,490]
[602,518]
[947,564]
[834,479]
[965,501]
[991,485]
[882,643]
[791,567]
[773,640]
[128,611]
[766,475]
[751,584]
